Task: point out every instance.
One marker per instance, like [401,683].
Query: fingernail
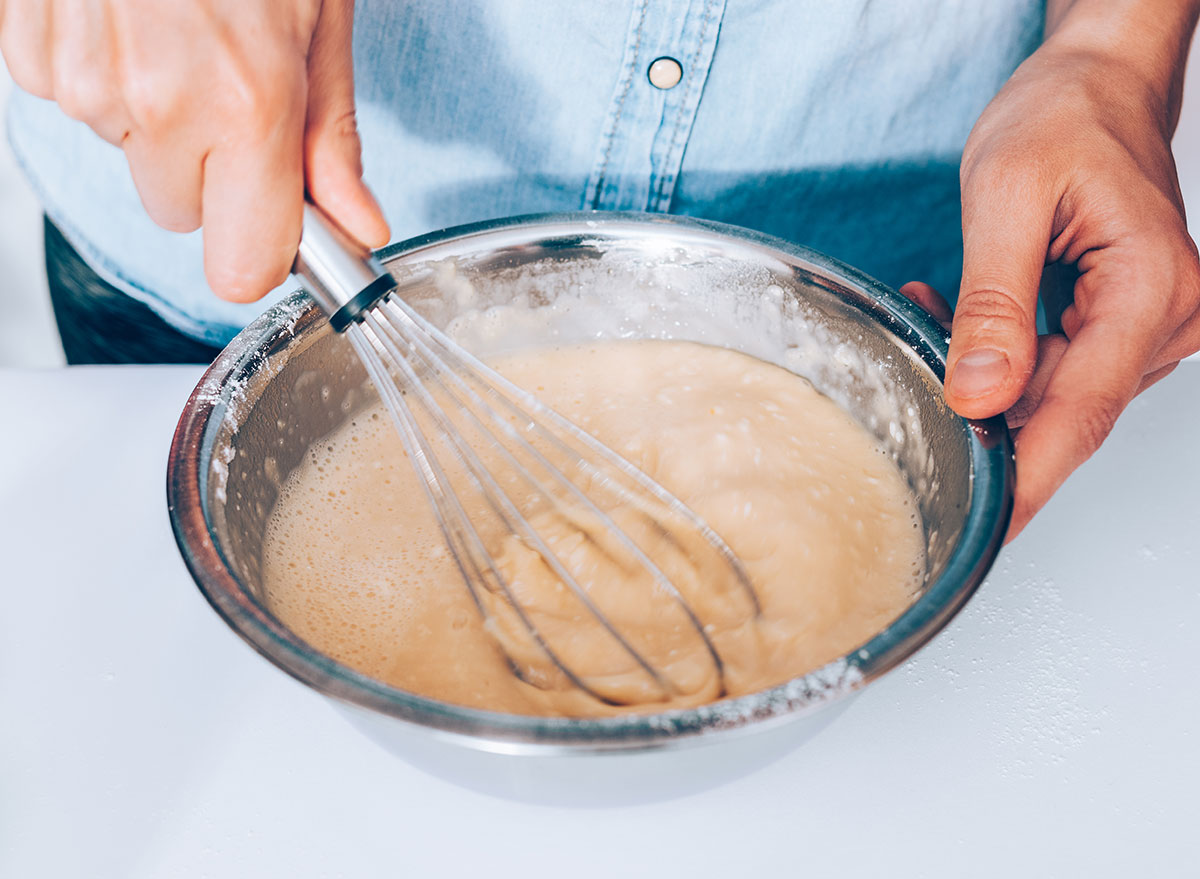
[978,373]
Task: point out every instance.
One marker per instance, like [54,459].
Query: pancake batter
[827,529]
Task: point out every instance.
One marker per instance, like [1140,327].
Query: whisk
[587,572]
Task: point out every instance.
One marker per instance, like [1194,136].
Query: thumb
[993,340]
[332,151]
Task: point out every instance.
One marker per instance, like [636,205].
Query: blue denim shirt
[837,124]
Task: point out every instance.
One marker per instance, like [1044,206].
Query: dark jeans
[100,324]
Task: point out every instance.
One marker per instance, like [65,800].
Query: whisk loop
[586,571]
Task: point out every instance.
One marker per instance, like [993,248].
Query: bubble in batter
[824,522]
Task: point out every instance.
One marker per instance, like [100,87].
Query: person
[966,144]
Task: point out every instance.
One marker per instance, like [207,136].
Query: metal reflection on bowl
[287,381]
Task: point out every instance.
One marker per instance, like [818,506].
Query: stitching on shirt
[592,199]
[668,179]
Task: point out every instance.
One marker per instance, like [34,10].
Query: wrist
[1142,45]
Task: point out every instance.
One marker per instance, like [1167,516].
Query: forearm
[1147,39]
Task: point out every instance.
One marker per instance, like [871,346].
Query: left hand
[1071,163]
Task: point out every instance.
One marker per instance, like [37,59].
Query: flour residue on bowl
[684,293]
[827,527]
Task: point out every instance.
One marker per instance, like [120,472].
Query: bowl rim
[992,478]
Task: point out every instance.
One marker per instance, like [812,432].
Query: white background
[27,334]
[1050,731]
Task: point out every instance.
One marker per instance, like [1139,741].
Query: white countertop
[1052,730]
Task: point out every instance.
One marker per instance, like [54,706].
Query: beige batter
[823,521]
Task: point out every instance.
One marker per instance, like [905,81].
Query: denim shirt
[837,124]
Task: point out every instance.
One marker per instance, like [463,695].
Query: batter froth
[825,524]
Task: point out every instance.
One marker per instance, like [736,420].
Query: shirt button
[665,73]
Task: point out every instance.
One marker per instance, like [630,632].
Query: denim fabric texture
[838,125]
[97,323]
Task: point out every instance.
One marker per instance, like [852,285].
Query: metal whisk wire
[465,542]
[525,405]
[406,356]
[409,334]
[466,546]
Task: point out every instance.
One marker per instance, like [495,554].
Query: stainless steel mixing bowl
[287,381]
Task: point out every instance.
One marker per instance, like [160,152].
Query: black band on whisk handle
[342,276]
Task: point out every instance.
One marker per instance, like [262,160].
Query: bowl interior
[288,380]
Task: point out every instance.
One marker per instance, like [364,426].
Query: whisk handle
[341,276]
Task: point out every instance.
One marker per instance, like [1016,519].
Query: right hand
[224,109]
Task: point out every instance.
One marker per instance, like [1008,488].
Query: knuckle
[253,113]
[1008,168]
[82,97]
[151,107]
[1095,417]
[990,307]
[27,70]
[976,163]
[335,141]
[345,125]
[255,103]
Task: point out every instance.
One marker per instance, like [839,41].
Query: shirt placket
[647,126]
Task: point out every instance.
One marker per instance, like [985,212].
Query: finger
[251,203]
[1096,378]
[169,178]
[930,300]
[25,30]
[993,344]
[1051,349]
[1072,321]
[83,69]
[1182,342]
[1016,420]
[332,150]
